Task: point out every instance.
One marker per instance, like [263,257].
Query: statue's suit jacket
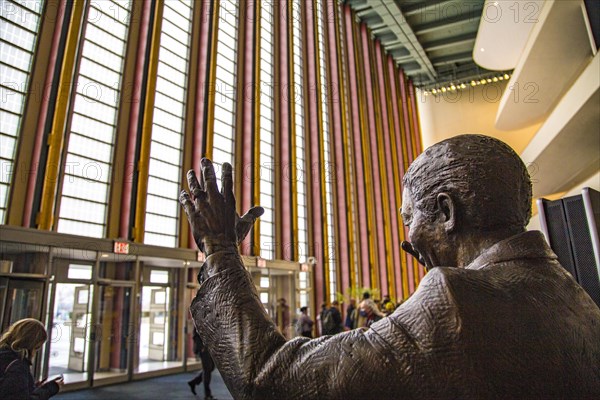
[513,324]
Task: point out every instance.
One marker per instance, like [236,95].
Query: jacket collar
[11,354]
[531,244]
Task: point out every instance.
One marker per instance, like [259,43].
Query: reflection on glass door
[153,329]
[23,299]
[157,324]
[160,326]
[79,327]
[70,332]
[113,339]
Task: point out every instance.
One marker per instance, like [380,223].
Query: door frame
[96,327]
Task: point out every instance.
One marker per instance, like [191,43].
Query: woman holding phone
[18,346]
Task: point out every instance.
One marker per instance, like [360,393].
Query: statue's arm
[251,354]
[255,360]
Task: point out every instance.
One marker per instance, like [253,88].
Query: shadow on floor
[171,387]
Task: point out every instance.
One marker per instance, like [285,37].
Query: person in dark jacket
[18,346]
[208,366]
[351,312]
[332,320]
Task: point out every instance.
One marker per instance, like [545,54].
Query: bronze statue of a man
[496,316]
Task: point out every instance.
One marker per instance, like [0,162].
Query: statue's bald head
[485,177]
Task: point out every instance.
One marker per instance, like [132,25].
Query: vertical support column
[393,241]
[135,113]
[415,118]
[408,158]
[342,50]
[314,191]
[143,163]
[209,69]
[294,253]
[201,98]
[359,177]
[206,62]
[415,135]
[337,144]
[246,129]
[400,270]
[56,138]
[55,19]
[283,141]
[406,117]
[372,127]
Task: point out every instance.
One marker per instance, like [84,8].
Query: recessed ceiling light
[482,49]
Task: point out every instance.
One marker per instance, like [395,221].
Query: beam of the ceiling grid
[450,42]
[380,29]
[394,45]
[403,59]
[358,4]
[392,16]
[446,23]
[418,7]
[453,58]
[364,12]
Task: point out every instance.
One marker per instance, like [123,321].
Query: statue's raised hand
[212,215]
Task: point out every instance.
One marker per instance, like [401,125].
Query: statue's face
[425,235]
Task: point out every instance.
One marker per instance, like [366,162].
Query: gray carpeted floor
[171,387]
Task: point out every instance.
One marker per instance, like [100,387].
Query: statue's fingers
[245,223]
[201,180]
[193,183]
[186,202]
[227,183]
[254,213]
[210,180]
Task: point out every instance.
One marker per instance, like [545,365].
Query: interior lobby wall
[471,110]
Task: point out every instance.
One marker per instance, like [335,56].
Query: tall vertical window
[87,169]
[327,155]
[164,174]
[298,97]
[352,204]
[19,28]
[267,236]
[224,124]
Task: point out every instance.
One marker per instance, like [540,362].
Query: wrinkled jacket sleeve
[18,385]
[255,360]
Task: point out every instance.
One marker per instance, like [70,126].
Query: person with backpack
[305,323]
[332,320]
[18,346]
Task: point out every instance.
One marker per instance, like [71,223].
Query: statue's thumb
[245,223]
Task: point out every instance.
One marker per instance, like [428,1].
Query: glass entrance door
[113,339]
[160,325]
[22,298]
[70,332]
[157,324]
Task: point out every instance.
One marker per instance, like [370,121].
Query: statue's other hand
[212,215]
[407,247]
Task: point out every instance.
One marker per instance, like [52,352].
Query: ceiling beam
[445,23]
[392,15]
[416,8]
[358,4]
[453,58]
[450,42]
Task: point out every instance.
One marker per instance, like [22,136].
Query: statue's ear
[447,211]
